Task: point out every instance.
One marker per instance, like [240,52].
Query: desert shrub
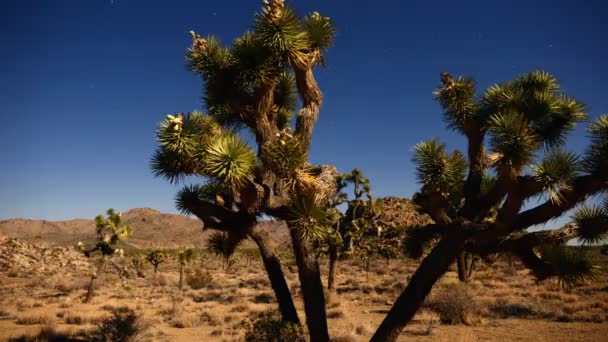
[453,303]
[48,333]
[12,274]
[504,309]
[123,325]
[199,280]
[267,326]
[335,314]
[263,298]
[35,318]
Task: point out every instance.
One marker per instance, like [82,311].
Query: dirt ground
[504,303]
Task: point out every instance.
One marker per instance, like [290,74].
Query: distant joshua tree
[108,233]
[184,257]
[156,257]
[254,83]
[516,134]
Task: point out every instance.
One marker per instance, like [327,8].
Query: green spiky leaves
[182,143]
[592,223]
[511,136]
[285,155]
[320,31]
[596,156]
[184,256]
[570,267]
[223,244]
[311,219]
[280,30]
[230,160]
[554,172]
[457,98]
[207,56]
[108,232]
[437,170]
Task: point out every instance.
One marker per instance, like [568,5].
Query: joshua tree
[108,233]
[138,261]
[184,256]
[254,84]
[155,258]
[525,123]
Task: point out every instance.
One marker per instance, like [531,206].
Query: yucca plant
[516,133]
[184,256]
[156,257]
[108,233]
[254,84]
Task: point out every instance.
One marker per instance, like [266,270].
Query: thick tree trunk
[431,269]
[276,277]
[181,277]
[312,288]
[333,260]
[91,288]
[461,262]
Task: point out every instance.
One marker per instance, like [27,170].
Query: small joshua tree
[184,257]
[525,123]
[156,257]
[108,233]
[138,261]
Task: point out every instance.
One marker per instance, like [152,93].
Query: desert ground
[499,303]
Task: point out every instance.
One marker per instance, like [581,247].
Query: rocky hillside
[39,257]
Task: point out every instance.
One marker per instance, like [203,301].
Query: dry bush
[269,327]
[66,287]
[199,279]
[209,319]
[50,333]
[31,318]
[124,324]
[185,320]
[332,314]
[263,298]
[453,302]
[72,317]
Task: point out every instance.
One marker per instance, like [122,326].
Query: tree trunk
[511,264]
[181,277]
[276,277]
[461,262]
[91,288]
[155,269]
[312,288]
[431,269]
[471,267]
[333,260]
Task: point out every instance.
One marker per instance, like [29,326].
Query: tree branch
[581,188]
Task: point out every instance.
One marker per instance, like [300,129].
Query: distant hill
[151,227]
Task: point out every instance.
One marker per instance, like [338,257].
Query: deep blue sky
[84,83]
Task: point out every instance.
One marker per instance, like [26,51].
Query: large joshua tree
[253,85]
[516,133]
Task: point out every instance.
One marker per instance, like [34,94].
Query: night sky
[84,83]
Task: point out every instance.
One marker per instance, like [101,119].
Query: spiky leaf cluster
[222,244]
[555,171]
[592,223]
[438,171]
[571,268]
[596,156]
[184,256]
[108,233]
